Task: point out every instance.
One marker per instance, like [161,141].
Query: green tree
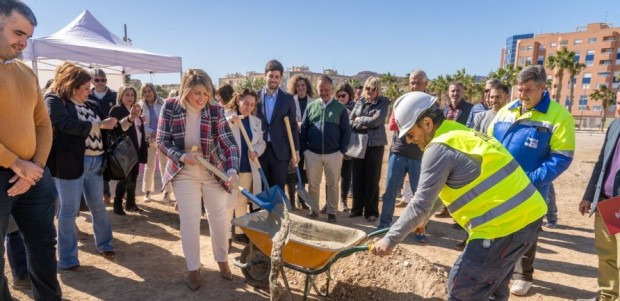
[508,75]
[559,63]
[574,69]
[607,98]
[353,82]
[439,87]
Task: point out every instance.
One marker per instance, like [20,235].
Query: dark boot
[118,206]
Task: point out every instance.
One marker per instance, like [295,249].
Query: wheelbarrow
[312,248]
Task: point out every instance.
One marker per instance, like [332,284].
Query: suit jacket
[66,159]
[257,142]
[594,190]
[275,128]
[119,112]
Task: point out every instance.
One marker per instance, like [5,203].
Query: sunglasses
[100,80]
[370,89]
[341,95]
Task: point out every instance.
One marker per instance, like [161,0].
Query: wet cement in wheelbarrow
[317,234]
[403,275]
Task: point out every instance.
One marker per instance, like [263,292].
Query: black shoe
[331,218]
[134,208]
[355,214]
[242,238]
[312,215]
[119,211]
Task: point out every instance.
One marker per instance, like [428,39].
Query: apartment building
[596,45]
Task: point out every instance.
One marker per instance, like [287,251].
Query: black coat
[66,159]
[284,106]
[108,100]
[119,112]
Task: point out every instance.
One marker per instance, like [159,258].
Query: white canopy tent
[87,42]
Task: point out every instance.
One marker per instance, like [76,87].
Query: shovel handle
[290,138]
[248,142]
[216,171]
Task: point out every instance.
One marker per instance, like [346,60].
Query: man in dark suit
[273,105]
[603,185]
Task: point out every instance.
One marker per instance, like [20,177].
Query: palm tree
[560,62]
[573,70]
[353,82]
[439,86]
[389,78]
[607,98]
[508,75]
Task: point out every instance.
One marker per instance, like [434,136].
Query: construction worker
[484,189]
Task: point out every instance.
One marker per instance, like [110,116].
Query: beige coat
[257,142]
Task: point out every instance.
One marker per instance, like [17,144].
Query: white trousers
[149,170]
[240,201]
[190,185]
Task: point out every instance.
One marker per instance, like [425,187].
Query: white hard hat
[408,109]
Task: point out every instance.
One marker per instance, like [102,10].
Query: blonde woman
[243,105]
[151,107]
[128,111]
[368,117]
[192,126]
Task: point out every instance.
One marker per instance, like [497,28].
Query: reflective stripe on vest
[501,200]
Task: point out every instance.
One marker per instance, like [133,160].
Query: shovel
[266,203]
[303,194]
[274,193]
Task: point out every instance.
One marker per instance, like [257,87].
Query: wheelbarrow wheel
[258,266]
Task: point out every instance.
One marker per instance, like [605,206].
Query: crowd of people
[489,166]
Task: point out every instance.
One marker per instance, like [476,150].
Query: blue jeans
[33,212]
[90,183]
[398,167]
[485,267]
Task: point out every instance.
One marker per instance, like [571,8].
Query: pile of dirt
[403,275]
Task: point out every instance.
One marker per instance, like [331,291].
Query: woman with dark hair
[128,112]
[300,87]
[190,127]
[151,107]
[224,94]
[76,161]
[344,94]
[239,113]
[368,117]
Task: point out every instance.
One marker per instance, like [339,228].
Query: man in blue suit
[273,105]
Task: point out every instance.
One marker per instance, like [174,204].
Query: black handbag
[121,156]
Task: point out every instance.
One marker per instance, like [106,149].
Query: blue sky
[350,36]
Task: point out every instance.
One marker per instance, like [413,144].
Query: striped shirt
[94,142]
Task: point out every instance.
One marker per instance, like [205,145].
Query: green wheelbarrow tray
[312,247]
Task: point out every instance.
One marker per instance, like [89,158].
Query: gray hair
[532,72]
[7,7]
[97,72]
[419,72]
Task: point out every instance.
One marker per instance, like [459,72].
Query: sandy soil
[150,264]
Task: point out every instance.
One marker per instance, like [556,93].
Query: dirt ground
[149,264]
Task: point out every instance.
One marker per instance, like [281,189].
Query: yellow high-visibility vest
[501,200]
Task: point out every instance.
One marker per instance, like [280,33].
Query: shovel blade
[263,203]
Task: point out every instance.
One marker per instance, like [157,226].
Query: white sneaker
[520,287]
[147,197]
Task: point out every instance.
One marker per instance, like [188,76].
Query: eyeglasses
[100,80]
[370,89]
[341,95]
